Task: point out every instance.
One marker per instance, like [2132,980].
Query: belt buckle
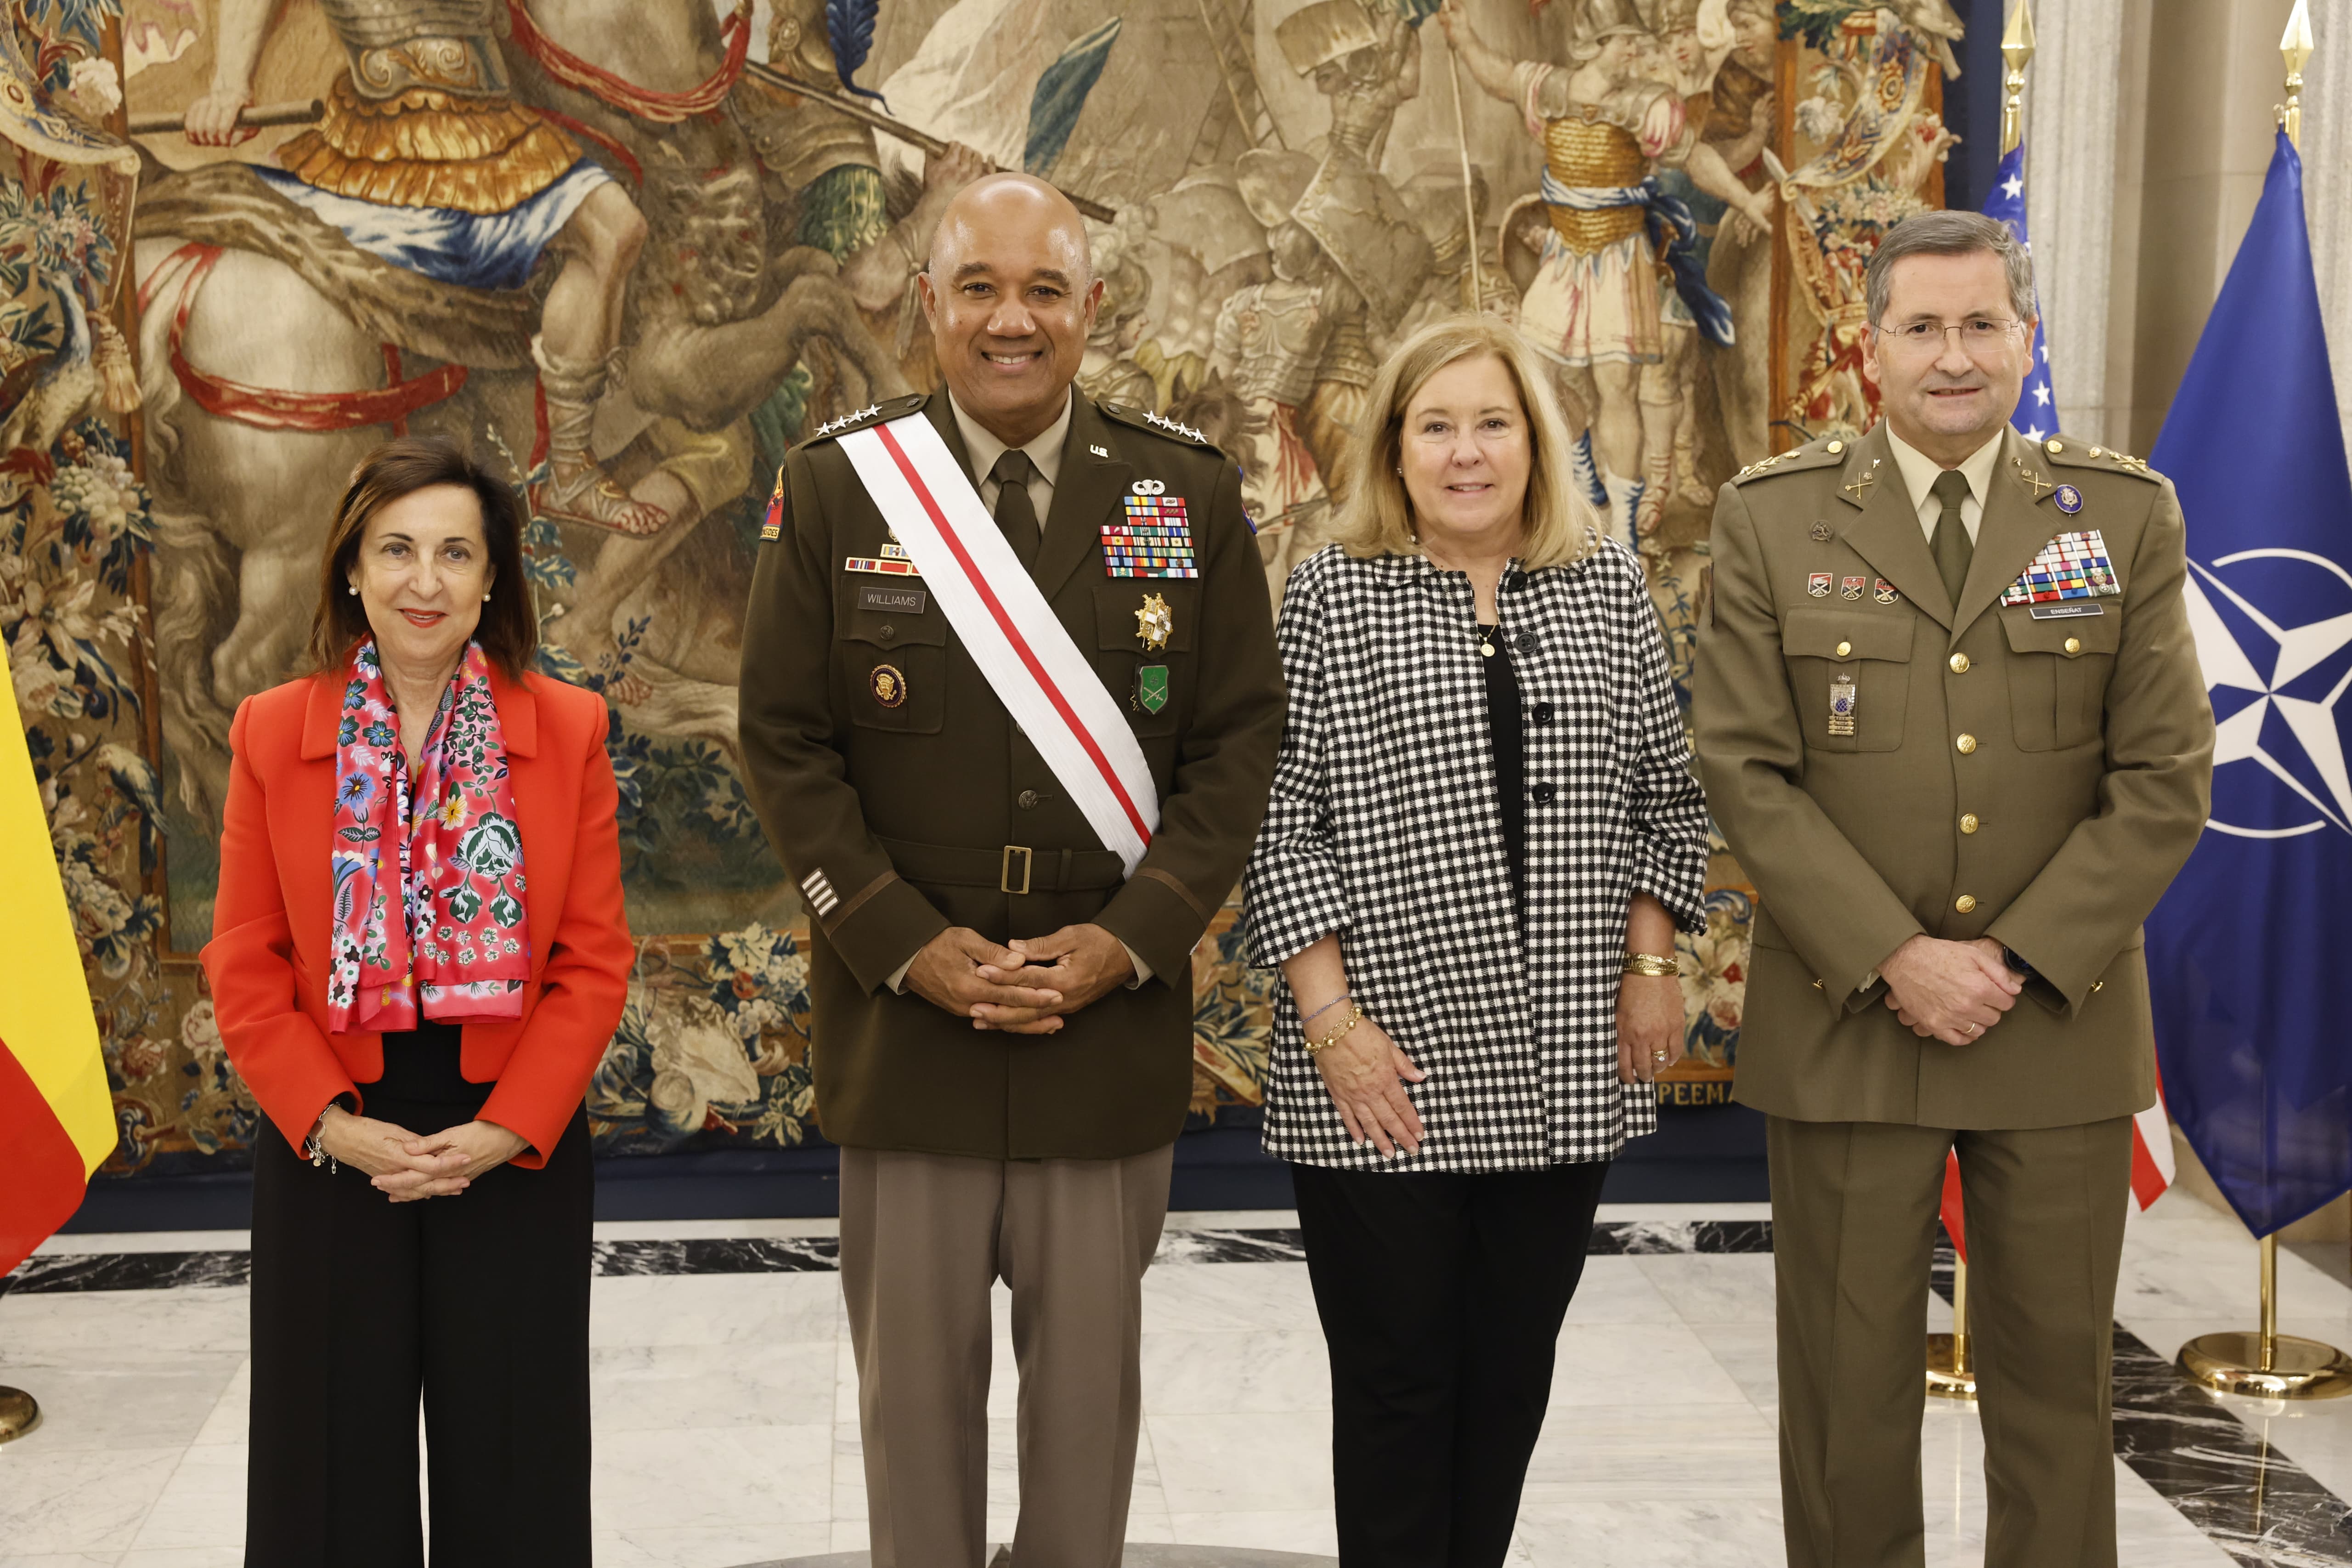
[1005,872]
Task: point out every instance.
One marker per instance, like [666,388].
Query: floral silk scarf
[445,933]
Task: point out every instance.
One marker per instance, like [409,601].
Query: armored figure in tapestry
[1606,125]
[424,121]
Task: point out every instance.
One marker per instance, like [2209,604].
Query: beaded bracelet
[1316,1047]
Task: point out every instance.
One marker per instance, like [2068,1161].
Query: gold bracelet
[1316,1047]
[1652,964]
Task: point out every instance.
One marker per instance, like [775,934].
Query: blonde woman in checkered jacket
[1483,834]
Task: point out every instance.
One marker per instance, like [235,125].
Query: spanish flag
[57,1119]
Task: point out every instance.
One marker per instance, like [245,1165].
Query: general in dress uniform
[984,749]
[1951,719]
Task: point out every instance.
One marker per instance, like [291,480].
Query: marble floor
[726,1405]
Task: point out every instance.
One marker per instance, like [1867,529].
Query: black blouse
[1510,745]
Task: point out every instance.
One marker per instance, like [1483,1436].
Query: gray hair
[1951,234]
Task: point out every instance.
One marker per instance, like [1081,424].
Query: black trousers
[476,1304]
[1440,1297]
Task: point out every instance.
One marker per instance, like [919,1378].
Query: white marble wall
[2073,90]
[2327,176]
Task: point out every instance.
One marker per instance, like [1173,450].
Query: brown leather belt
[1014,868]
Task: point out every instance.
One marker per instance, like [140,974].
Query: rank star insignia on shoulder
[1159,424]
[2074,455]
[1816,454]
[866,416]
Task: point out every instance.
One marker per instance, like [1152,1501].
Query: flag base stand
[1951,1371]
[2266,1365]
[18,1413]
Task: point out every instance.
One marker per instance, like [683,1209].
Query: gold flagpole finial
[2295,44]
[2016,49]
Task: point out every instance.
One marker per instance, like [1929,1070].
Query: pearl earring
[486,598]
[352,589]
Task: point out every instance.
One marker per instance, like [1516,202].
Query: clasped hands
[1949,991]
[1027,987]
[406,1166]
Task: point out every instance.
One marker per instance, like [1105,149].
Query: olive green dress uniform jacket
[2036,781]
[895,817]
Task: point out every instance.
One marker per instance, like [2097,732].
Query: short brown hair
[1562,526]
[1950,234]
[510,629]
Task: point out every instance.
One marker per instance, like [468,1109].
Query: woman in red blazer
[418,954]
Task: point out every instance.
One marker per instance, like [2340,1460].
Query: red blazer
[269,957]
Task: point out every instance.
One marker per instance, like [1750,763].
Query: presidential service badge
[1151,536]
[1155,622]
[889,687]
[2068,499]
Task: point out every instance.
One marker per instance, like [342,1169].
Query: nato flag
[2242,952]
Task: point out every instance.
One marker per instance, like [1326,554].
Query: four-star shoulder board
[866,416]
[1144,419]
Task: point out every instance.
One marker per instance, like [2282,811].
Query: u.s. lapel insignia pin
[1155,622]
[2031,479]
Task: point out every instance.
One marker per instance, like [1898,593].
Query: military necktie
[1952,544]
[1017,514]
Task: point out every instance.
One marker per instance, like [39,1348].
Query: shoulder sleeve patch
[1144,419]
[2075,455]
[858,418]
[771,526]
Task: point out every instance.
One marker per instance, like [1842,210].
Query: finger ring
[1973,1028]
[1657,1056]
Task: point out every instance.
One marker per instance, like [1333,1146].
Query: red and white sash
[1038,672]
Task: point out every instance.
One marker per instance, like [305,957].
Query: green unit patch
[1152,688]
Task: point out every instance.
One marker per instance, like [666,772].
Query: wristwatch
[2016,961]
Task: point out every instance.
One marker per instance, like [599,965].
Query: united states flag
[2037,410]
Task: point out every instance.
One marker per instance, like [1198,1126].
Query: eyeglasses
[1980,336]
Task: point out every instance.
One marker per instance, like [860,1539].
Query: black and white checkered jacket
[1384,827]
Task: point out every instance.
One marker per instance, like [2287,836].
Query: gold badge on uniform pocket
[889,687]
[1155,622]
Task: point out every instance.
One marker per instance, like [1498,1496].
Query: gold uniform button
[1967,743]
[1967,822]
[1834,448]
[2055,446]
[1959,664]
[1965,903]
[1844,648]
[2098,452]
[2073,645]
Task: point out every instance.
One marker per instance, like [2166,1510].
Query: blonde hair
[1562,525]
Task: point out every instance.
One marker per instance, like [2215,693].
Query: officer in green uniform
[1951,719]
[1003,1016]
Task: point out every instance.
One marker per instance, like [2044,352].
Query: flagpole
[2016,49]
[1951,1371]
[2266,1363]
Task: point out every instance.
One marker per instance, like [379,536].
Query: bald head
[1010,294]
